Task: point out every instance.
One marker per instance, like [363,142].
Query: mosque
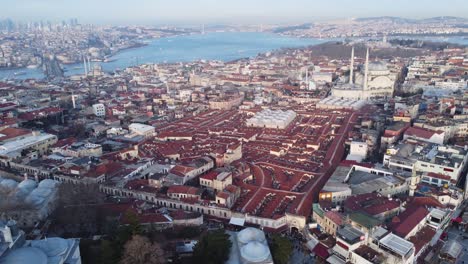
[375,82]
[250,247]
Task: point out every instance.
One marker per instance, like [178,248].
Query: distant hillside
[291,28]
[386,18]
[440,19]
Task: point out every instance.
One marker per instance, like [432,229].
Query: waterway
[224,46]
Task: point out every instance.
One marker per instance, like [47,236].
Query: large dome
[255,252]
[25,255]
[250,234]
[378,66]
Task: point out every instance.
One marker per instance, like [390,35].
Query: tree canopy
[213,248]
[281,249]
[140,250]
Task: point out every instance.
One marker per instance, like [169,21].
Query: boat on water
[32,66]
[19,73]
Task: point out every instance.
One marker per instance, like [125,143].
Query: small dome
[25,255]
[27,185]
[250,234]
[9,184]
[255,252]
[53,246]
[50,184]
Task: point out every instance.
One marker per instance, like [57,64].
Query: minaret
[351,73]
[307,78]
[366,69]
[414,182]
[85,67]
[73,101]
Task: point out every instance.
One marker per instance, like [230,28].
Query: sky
[223,11]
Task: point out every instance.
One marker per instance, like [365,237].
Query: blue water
[212,46]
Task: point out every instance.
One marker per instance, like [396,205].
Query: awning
[237,221]
[321,251]
[312,243]
[457,220]
[333,259]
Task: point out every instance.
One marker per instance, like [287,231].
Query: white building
[141,129]
[99,110]
[250,247]
[37,141]
[358,151]
[376,81]
[426,157]
[272,119]
[52,250]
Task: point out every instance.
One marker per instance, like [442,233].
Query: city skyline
[210,11]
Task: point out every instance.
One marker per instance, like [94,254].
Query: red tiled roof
[210,175]
[223,195]
[181,170]
[11,132]
[183,189]
[402,224]
[421,132]
[335,217]
[371,203]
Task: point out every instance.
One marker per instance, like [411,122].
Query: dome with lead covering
[378,66]
[25,255]
[52,246]
[27,185]
[50,184]
[255,252]
[8,184]
[250,234]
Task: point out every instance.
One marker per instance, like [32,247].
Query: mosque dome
[378,66]
[47,183]
[255,252]
[52,247]
[25,255]
[250,234]
[8,184]
[27,185]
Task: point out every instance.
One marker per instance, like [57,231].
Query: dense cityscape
[353,150]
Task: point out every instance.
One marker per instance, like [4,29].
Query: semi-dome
[25,255]
[250,234]
[255,252]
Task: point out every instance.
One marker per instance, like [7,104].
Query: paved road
[454,233]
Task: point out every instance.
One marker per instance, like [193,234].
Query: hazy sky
[224,11]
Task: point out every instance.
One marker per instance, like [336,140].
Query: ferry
[19,73]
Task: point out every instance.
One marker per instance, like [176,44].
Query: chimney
[351,67]
[366,69]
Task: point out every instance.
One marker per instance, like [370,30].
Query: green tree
[213,248]
[108,252]
[281,249]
